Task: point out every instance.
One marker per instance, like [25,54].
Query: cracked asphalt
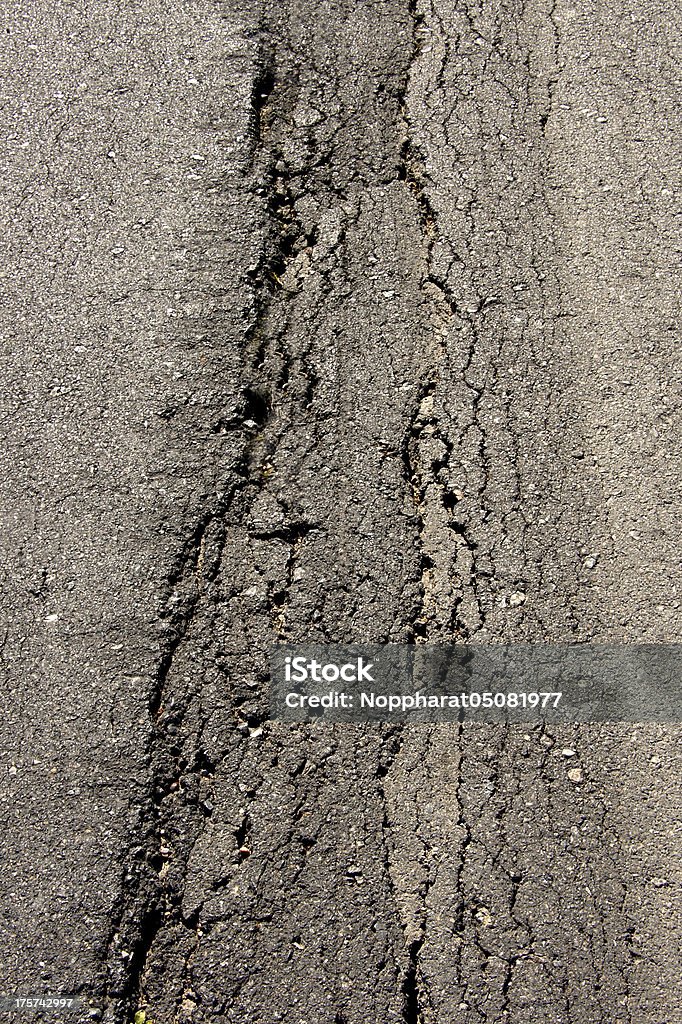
[354,321]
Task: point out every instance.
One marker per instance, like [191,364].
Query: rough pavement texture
[338,321]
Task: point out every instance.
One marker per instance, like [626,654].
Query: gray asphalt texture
[337,321]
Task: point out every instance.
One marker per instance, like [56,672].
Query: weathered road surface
[350,321]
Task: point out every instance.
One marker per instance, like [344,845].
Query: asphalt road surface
[353,320]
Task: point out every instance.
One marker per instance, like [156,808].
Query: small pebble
[575,774]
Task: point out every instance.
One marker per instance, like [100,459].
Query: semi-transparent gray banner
[477,682]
